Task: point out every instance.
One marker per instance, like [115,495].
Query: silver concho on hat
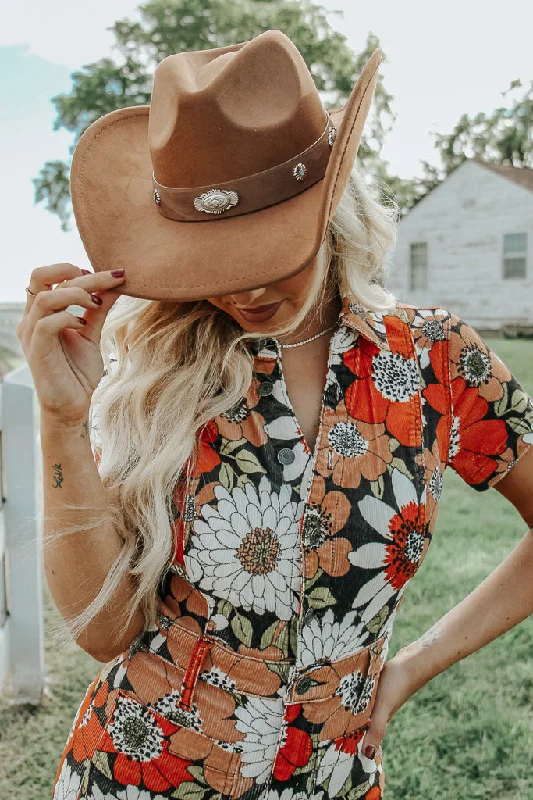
[299,171]
[216,201]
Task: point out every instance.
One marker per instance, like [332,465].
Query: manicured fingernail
[86,272]
[82,320]
[117,273]
[96,299]
[369,751]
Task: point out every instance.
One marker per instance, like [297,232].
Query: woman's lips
[261,313]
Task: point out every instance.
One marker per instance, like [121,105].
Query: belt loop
[200,650]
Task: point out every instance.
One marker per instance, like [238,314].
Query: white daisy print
[135,732]
[398,555]
[134,793]
[343,339]
[260,719]
[431,324]
[247,549]
[216,677]
[337,765]
[328,640]
[68,784]
[289,794]
[97,794]
[395,377]
[355,690]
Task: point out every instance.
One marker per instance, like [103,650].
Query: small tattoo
[58,476]
[85,429]
[431,635]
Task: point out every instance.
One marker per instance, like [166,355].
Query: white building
[468,246]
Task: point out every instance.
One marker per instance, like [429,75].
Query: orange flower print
[431,461]
[474,441]
[437,395]
[471,359]
[353,450]
[242,421]
[350,698]
[325,515]
[140,738]
[295,748]
[259,719]
[328,638]
[386,386]
[399,552]
[87,732]
[428,327]
[505,462]
[207,458]
[338,760]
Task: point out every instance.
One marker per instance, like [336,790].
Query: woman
[265,484]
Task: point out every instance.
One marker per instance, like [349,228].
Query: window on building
[419,265]
[514,255]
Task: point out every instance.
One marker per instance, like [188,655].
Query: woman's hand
[62,351]
[395,686]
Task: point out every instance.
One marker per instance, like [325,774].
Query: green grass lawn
[467,734]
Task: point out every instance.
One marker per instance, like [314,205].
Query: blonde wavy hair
[179,364]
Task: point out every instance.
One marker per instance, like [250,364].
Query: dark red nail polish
[86,272]
[82,320]
[370,751]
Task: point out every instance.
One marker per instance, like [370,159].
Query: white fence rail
[21,615]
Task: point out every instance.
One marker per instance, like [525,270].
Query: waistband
[197,653]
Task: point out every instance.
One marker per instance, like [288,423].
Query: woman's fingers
[48,327]
[394,688]
[96,316]
[43,278]
[76,290]
[374,735]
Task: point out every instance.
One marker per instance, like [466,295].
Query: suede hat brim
[120,226]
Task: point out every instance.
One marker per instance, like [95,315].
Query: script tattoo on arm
[58,476]
[85,429]
[431,634]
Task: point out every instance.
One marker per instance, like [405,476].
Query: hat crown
[239,110]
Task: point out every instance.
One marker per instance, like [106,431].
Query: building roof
[521,175]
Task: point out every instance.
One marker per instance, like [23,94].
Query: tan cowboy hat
[227,181]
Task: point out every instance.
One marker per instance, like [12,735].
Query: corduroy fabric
[260,677]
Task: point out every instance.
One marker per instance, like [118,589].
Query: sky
[441,61]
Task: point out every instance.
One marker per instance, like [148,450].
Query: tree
[504,136]
[170,26]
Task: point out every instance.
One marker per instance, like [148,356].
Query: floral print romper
[275,620]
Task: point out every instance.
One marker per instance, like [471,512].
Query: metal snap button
[265,388]
[286,456]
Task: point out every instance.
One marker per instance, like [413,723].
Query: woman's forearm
[77,563]
[500,602]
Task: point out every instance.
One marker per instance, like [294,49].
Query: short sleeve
[491,413]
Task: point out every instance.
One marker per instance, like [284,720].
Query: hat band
[260,190]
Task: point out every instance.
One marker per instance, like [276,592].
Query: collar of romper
[352,314]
